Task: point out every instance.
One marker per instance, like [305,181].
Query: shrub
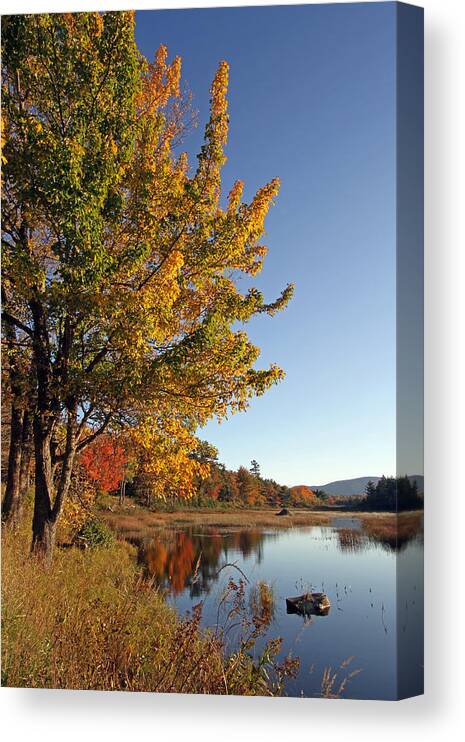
[94,534]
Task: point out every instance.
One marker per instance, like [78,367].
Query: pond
[359,570]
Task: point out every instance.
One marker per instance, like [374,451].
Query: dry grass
[136,521]
[92,622]
[395,531]
[262,602]
[334,682]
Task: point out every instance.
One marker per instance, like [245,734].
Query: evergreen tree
[370,491]
[255,468]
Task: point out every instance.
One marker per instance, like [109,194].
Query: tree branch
[16,322]
[86,441]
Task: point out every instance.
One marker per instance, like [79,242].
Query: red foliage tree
[104,462]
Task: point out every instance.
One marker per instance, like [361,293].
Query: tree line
[393,493]
[245,487]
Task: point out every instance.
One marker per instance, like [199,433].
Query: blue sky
[312,100]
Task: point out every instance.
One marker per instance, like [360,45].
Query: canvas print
[212,344]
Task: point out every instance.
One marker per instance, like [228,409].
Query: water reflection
[191,560]
[355,562]
[350,540]
[394,533]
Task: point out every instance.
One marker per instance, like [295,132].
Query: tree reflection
[191,559]
[186,559]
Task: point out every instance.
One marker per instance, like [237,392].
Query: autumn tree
[249,487]
[167,464]
[205,453]
[104,462]
[229,490]
[120,262]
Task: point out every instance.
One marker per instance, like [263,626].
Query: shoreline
[135,520]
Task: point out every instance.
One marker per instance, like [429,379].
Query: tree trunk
[49,499]
[11,505]
[43,537]
[50,494]
[43,522]
[27,444]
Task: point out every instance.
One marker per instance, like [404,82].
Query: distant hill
[352,487]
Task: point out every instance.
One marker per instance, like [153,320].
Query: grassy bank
[132,520]
[93,622]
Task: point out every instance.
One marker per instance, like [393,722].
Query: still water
[358,570]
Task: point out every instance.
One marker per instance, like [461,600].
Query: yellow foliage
[124,244]
[164,449]
[235,196]
[76,510]
[219,102]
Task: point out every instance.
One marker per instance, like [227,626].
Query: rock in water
[309,604]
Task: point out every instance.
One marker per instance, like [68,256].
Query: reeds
[334,682]
[92,621]
[262,602]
